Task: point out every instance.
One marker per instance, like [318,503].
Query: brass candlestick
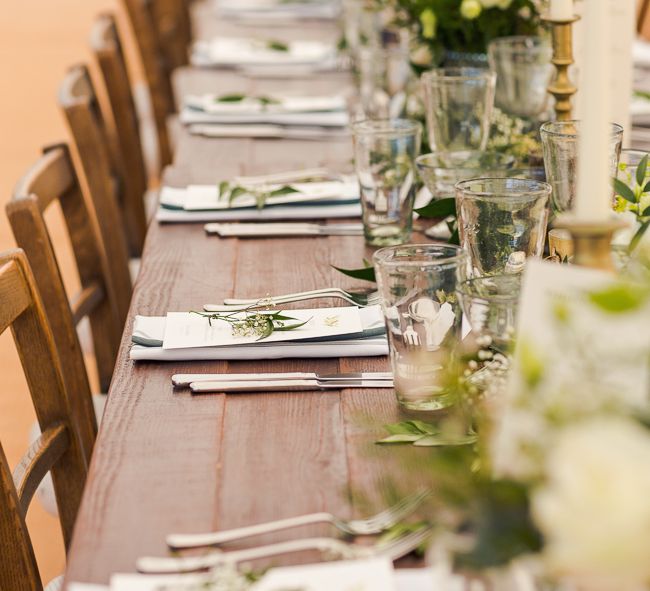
[562,88]
[592,241]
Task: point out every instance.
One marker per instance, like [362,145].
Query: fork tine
[402,546]
[401,509]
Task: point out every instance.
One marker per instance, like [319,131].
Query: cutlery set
[376,524]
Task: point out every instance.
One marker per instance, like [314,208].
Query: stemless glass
[417,285]
[441,171]
[384,75]
[560,144]
[458,104]
[524,71]
[385,152]
[502,222]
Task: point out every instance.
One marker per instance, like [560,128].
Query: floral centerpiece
[449,30]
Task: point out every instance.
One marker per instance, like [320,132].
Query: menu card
[185,330]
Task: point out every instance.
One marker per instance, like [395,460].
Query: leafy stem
[231,192]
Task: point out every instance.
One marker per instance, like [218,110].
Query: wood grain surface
[166,462]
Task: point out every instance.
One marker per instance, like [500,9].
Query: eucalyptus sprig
[421,434]
[238,98]
[635,198]
[232,191]
[254,322]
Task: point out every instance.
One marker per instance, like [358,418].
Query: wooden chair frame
[107,47]
[79,102]
[157,72]
[57,449]
[53,178]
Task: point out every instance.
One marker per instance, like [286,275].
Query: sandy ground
[39,39]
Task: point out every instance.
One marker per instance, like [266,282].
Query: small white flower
[594,510]
[470,9]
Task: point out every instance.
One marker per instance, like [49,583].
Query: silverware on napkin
[256,230]
[185,379]
[284,385]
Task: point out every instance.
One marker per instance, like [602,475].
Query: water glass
[490,304]
[524,72]
[384,76]
[560,144]
[385,152]
[458,105]
[417,285]
[441,171]
[502,222]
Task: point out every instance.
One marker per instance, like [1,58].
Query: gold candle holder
[562,88]
[592,241]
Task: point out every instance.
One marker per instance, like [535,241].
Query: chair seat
[45,491]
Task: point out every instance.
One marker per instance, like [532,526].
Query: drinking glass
[385,152]
[441,171]
[524,72]
[417,285]
[502,222]
[458,105]
[384,75]
[560,144]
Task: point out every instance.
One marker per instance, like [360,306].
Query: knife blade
[181,380]
[283,385]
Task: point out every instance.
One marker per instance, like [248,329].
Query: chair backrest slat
[81,108]
[107,47]
[61,455]
[143,24]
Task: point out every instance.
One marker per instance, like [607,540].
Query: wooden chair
[104,176]
[156,70]
[58,449]
[125,131]
[174,30]
[53,179]
[643,18]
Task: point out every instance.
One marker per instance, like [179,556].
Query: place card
[184,330]
[579,343]
[206,197]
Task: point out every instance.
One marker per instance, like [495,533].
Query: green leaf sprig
[230,192]
[421,434]
[276,45]
[254,322]
[238,98]
[365,273]
[635,198]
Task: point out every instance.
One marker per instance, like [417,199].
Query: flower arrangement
[464,26]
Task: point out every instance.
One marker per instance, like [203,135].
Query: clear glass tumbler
[524,71]
[458,104]
[441,171]
[417,286]
[502,222]
[385,152]
[560,144]
[384,76]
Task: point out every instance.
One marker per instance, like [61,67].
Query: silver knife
[185,379]
[284,385]
[283,229]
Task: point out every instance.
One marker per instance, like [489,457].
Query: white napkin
[210,103]
[641,53]
[234,52]
[175,198]
[252,9]
[151,329]
[190,116]
[269,131]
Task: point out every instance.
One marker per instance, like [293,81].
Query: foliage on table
[464,26]
[633,200]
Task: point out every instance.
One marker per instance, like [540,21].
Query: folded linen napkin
[173,200]
[192,116]
[235,52]
[270,131]
[321,9]
[237,105]
[149,332]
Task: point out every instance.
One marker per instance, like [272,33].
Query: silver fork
[363,300]
[355,527]
[410,336]
[327,546]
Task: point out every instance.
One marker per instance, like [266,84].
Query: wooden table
[166,462]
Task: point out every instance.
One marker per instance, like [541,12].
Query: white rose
[594,509]
[490,3]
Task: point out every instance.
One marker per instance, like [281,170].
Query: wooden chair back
[157,71]
[643,18]
[53,179]
[125,132]
[57,449]
[172,21]
[102,173]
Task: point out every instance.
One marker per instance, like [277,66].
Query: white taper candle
[594,193]
[561,10]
